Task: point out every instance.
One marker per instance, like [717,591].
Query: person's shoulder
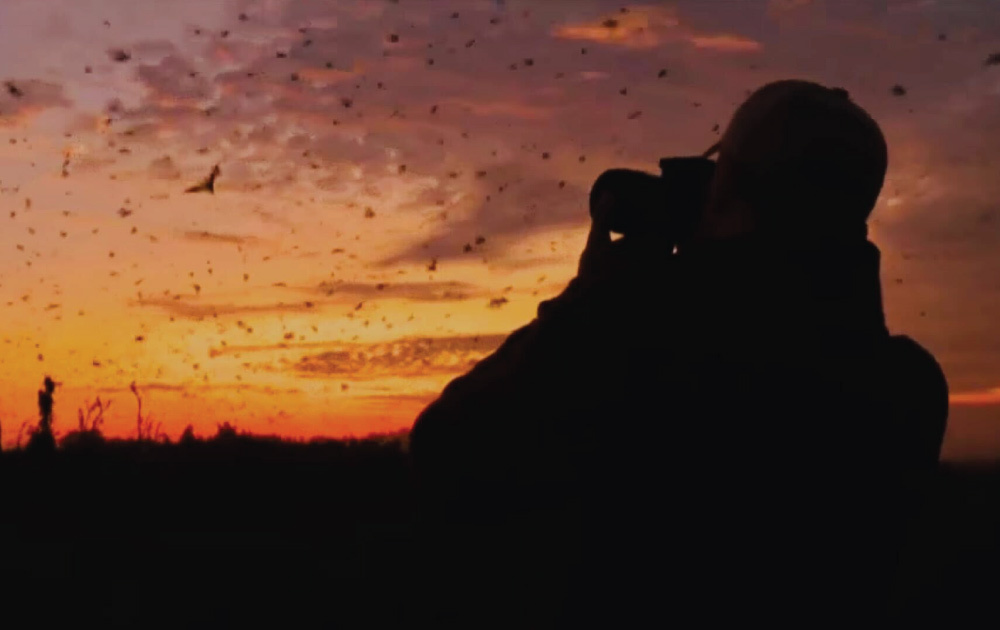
[910,358]
[917,379]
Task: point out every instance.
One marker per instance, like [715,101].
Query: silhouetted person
[720,418]
[42,439]
[45,405]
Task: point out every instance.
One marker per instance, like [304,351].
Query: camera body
[664,208]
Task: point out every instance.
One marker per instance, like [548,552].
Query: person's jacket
[735,421]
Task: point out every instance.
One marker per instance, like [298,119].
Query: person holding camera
[714,405]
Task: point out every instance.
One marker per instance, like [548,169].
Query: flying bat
[208,184]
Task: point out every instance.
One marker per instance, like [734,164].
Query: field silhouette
[233,527]
[327,533]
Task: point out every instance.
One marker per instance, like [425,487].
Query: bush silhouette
[226,432]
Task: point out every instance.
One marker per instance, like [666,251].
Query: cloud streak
[158,386]
[649,27]
[642,28]
[512,199]
[181,307]
[204,236]
[23,99]
[340,294]
[405,358]
[411,291]
[726,43]
[978,398]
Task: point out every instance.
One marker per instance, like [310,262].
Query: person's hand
[597,253]
[604,260]
[595,261]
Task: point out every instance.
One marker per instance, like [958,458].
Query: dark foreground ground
[244,531]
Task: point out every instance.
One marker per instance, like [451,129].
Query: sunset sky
[391,170]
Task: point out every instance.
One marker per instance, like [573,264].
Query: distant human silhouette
[42,438]
[713,411]
[45,404]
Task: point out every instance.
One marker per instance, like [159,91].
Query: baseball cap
[805,155]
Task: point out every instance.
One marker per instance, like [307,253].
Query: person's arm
[921,391]
[494,421]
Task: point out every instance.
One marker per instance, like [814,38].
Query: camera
[643,206]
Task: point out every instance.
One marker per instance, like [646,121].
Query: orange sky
[361,141]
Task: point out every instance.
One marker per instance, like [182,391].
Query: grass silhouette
[131,530]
